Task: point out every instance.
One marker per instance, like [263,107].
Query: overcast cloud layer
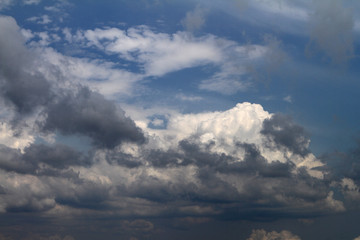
[149,129]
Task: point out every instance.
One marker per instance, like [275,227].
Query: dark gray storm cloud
[10,160]
[88,113]
[58,156]
[22,86]
[189,153]
[69,111]
[43,176]
[122,159]
[345,165]
[225,186]
[32,161]
[277,188]
[281,130]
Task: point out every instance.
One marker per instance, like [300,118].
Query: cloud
[344,171]
[331,29]
[223,131]
[284,133]
[39,159]
[46,189]
[190,98]
[292,10]
[202,159]
[138,225]
[275,55]
[22,86]
[194,20]
[44,19]
[215,164]
[223,83]
[288,99]
[99,75]
[14,140]
[225,160]
[31,2]
[241,65]
[78,110]
[197,171]
[5,3]
[90,114]
[158,54]
[263,235]
[344,164]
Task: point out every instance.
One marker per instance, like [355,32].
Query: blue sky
[166,119]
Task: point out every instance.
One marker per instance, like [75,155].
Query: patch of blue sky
[158,121]
[81,143]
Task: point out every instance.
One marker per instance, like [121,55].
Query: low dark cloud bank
[90,114]
[281,130]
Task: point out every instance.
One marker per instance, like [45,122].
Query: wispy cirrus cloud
[158,54]
[194,20]
[331,30]
[5,3]
[44,19]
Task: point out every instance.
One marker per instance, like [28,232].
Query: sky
[179,119]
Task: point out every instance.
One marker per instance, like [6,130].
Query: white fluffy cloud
[158,54]
[17,141]
[223,130]
[100,75]
[31,2]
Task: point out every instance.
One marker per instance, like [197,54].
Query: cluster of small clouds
[7,3]
[159,54]
[44,19]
